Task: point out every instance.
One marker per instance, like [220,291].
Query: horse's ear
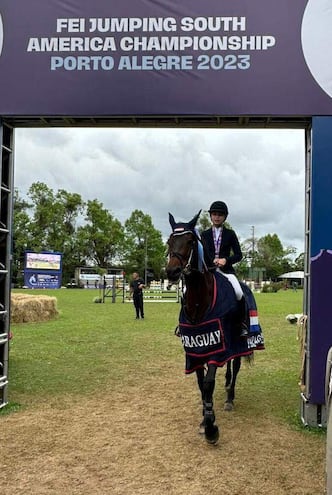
[192,223]
[171,220]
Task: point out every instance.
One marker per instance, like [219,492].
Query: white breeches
[235,283]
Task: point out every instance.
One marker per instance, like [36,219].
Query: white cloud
[259,173]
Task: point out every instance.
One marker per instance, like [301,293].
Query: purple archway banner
[157,57]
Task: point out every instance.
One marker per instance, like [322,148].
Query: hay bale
[30,308]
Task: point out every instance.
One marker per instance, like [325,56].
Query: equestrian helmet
[219,207]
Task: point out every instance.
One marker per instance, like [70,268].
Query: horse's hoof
[212,436]
[228,406]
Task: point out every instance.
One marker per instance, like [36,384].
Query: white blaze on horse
[209,321]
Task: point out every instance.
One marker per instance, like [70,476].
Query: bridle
[186,266]
[192,270]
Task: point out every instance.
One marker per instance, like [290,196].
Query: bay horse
[208,316]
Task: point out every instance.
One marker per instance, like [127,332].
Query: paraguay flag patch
[253,318]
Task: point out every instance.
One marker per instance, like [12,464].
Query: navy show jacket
[229,248]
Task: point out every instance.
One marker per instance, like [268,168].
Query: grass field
[98,403]
[91,346]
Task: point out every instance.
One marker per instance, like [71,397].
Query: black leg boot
[243,324]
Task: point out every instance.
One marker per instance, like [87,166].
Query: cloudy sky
[258,173]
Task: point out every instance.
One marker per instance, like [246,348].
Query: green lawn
[92,346]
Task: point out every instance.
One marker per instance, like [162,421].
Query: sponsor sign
[43,270]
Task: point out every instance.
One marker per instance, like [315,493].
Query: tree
[101,239]
[242,268]
[204,221]
[44,219]
[272,256]
[53,224]
[299,263]
[70,207]
[48,221]
[145,249]
[21,235]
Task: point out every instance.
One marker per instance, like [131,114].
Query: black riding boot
[242,315]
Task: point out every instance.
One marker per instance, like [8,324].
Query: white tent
[298,275]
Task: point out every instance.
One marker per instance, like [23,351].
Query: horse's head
[182,252]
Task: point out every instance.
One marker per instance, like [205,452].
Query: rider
[222,251]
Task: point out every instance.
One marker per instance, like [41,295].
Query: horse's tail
[250,359]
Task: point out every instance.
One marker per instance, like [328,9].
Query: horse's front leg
[228,374]
[233,368]
[211,430]
[200,375]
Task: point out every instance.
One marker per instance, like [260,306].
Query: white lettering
[131,24]
[71,44]
[82,63]
[197,43]
[160,62]
[268,41]
[202,340]
[70,25]
[213,24]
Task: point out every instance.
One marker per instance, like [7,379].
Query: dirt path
[146,442]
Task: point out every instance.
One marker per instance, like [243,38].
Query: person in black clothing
[136,290]
[223,249]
